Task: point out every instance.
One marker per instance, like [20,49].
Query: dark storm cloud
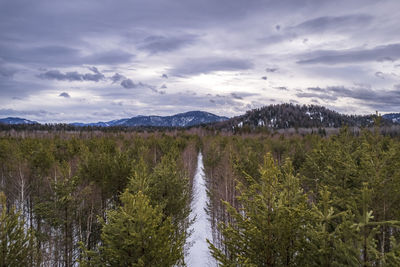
[64,94]
[72,76]
[352,55]
[334,23]
[156,44]
[197,66]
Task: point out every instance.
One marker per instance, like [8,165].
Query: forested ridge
[92,198]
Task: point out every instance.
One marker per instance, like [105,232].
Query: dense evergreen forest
[109,198]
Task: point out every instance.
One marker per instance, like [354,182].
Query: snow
[198,252]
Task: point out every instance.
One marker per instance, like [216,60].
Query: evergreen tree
[331,235]
[270,227]
[135,234]
[16,243]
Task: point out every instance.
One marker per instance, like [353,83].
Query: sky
[99,60]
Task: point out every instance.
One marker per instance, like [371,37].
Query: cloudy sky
[92,60]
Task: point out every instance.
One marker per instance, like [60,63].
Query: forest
[122,198]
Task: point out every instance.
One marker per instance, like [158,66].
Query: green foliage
[16,243]
[136,234]
[268,229]
[331,236]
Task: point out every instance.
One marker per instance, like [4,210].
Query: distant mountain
[11,120]
[274,116]
[291,116]
[186,119]
[393,117]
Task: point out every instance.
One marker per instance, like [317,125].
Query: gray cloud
[57,55]
[382,99]
[206,65]
[64,94]
[72,76]
[352,55]
[165,76]
[282,88]
[323,96]
[35,113]
[6,71]
[379,74]
[334,23]
[319,25]
[117,77]
[316,89]
[271,69]
[129,84]
[264,78]
[236,96]
[111,57]
[157,44]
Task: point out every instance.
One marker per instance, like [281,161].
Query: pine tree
[16,243]
[270,227]
[135,234]
[331,235]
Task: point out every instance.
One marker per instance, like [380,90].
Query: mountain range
[14,120]
[186,119]
[272,116]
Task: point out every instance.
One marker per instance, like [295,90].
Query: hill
[393,117]
[295,116]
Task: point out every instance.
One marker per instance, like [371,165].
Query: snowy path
[198,253]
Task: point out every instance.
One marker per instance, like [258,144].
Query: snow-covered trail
[198,253]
